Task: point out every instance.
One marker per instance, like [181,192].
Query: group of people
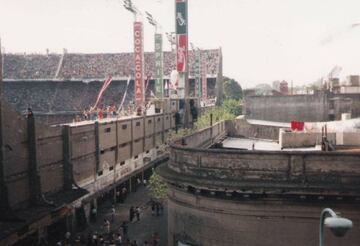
[92,66]
[119,238]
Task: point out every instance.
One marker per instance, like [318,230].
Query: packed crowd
[64,96]
[30,66]
[94,66]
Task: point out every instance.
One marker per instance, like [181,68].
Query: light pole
[338,225]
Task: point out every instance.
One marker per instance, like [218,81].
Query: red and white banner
[139,63]
[204,80]
[102,90]
[181,55]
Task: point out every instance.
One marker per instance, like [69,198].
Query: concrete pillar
[97,147]
[34,178]
[68,168]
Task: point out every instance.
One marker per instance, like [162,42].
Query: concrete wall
[240,127]
[204,220]
[322,106]
[289,139]
[92,155]
[235,197]
[287,108]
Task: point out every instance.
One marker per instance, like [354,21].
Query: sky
[261,40]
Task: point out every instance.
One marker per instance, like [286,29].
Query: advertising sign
[197,71]
[181,16]
[204,80]
[139,63]
[181,54]
[159,63]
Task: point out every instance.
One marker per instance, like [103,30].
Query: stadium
[57,87]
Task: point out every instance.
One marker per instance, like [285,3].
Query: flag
[102,90]
[124,96]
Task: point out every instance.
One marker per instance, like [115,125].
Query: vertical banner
[204,80]
[159,66]
[197,71]
[181,26]
[139,64]
[181,54]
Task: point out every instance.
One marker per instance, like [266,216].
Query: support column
[97,148]
[34,178]
[68,167]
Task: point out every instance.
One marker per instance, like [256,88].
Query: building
[227,186]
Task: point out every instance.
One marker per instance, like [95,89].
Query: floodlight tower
[159,57]
[138,56]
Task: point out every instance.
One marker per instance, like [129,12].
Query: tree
[232,89]
[158,188]
[233,106]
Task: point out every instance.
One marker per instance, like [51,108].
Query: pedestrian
[144,182]
[131,213]
[113,213]
[152,208]
[67,238]
[146,243]
[137,211]
[107,226]
[124,229]
[94,214]
[123,194]
[118,195]
[157,207]
[134,243]
[118,240]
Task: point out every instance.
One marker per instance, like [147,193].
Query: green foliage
[232,89]
[157,187]
[233,106]
[219,114]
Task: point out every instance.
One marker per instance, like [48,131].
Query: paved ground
[139,231]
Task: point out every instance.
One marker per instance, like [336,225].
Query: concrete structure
[239,197]
[321,106]
[52,176]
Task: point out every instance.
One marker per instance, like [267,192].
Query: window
[149,121]
[124,126]
[108,129]
[138,123]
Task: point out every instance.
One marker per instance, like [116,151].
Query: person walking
[107,226]
[113,212]
[131,213]
[137,211]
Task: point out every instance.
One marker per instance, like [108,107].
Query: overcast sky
[262,40]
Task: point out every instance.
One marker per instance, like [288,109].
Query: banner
[197,71]
[204,80]
[159,63]
[181,16]
[181,54]
[139,64]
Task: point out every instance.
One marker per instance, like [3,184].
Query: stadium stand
[92,66]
